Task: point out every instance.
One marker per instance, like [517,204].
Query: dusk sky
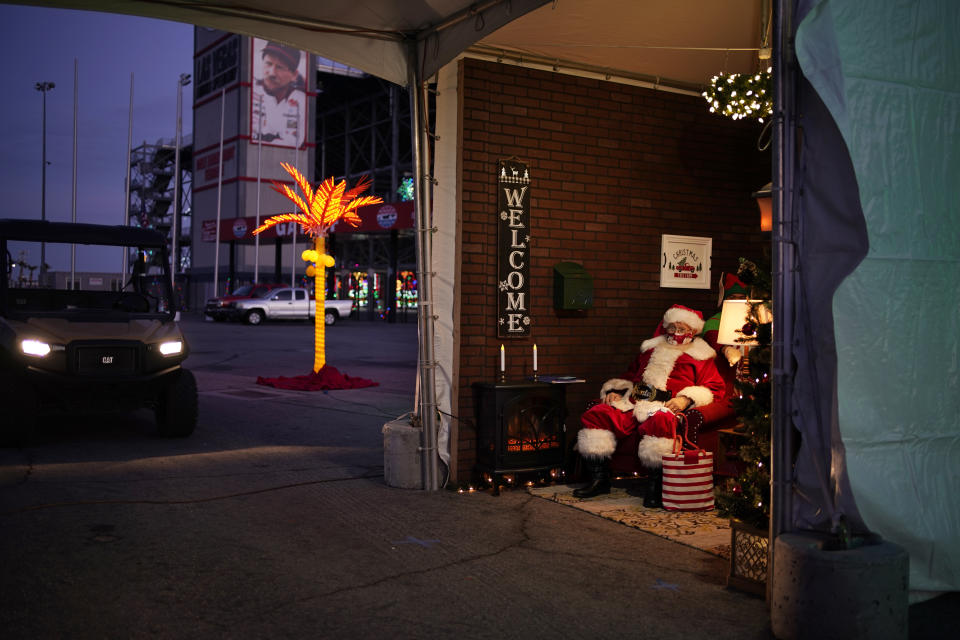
[40,45]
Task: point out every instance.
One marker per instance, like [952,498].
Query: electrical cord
[376,411]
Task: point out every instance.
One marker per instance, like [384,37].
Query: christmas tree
[747,498]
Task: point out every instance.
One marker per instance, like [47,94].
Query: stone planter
[749,549]
[820,592]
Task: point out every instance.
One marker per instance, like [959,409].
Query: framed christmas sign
[513,252]
[685,262]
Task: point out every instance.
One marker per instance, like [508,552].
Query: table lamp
[738,330]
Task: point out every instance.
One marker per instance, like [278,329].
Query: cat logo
[106,360]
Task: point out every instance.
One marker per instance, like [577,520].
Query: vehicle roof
[79,233]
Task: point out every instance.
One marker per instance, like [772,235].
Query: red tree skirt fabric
[327,378]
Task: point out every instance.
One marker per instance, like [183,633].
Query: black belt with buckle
[643,391]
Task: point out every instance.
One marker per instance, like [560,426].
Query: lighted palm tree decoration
[319,210]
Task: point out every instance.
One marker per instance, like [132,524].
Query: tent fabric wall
[446,249]
[832,241]
[889,73]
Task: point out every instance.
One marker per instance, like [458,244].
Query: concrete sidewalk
[346,557]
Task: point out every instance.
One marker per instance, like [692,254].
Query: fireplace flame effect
[515,445]
[525,433]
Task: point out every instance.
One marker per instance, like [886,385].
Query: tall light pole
[124,254]
[43,87]
[256,238]
[183,81]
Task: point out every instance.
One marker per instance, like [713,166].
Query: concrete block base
[820,593]
[401,455]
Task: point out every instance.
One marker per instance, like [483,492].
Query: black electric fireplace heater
[520,427]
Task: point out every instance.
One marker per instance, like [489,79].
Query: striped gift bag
[687,477]
[688,481]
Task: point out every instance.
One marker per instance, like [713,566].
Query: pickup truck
[219,308]
[288,304]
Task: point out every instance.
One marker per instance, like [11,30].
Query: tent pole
[427,407]
[785,236]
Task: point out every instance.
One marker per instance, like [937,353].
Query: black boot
[653,498]
[600,481]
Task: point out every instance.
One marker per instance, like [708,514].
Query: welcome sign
[513,252]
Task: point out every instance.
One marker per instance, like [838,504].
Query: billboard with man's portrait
[278,106]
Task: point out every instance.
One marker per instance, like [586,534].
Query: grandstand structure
[363,129]
[152,191]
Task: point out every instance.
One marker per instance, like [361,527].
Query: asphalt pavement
[273,521]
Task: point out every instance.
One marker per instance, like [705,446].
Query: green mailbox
[572,286]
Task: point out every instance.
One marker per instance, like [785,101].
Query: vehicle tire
[330,317]
[177,408]
[254,317]
[20,406]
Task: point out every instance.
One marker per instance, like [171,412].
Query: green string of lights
[405,190]
[739,95]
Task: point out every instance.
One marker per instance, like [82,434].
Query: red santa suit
[681,369]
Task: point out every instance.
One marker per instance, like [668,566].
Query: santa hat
[680,313]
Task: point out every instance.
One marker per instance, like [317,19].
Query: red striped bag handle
[682,444]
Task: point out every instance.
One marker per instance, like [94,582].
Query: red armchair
[703,428]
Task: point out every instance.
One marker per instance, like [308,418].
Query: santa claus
[674,372]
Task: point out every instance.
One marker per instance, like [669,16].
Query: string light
[405,190]
[739,95]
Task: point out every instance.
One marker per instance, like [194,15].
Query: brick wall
[613,167]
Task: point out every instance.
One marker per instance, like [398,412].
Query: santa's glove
[732,354]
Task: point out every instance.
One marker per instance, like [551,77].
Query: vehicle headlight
[35,348]
[171,348]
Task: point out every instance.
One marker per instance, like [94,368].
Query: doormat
[704,530]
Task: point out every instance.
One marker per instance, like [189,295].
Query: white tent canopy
[679,43]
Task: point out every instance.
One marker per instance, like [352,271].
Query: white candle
[503,360]
[534,357]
